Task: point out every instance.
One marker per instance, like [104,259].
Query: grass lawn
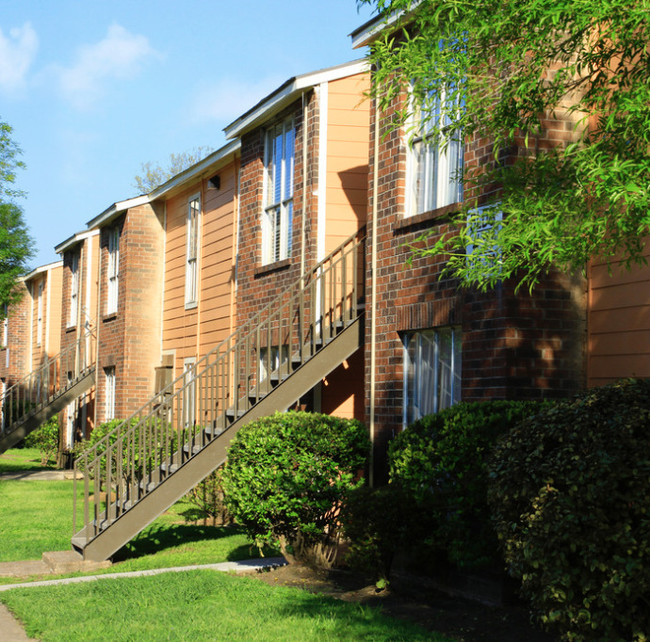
[197,605]
[36,516]
[17,459]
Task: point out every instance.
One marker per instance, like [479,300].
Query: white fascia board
[289,91]
[212,162]
[371,30]
[41,269]
[116,209]
[74,240]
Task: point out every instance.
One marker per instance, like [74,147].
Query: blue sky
[95,88]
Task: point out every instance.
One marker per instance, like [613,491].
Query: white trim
[89,265]
[288,92]
[40,270]
[39,312]
[321,232]
[373,28]
[192,302]
[74,239]
[47,313]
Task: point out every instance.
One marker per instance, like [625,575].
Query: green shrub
[570,493]
[441,460]
[376,522]
[46,439]
[287,475]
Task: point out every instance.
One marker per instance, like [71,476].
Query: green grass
[17,459]
[36,516]
[197,605]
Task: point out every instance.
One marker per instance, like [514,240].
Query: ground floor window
[432,371]
[109,381]
[189,392]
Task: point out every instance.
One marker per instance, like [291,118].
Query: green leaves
[559,89]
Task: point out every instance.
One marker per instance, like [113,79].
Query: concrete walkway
[12,631]
[38,475]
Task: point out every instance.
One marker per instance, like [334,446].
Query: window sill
[70,328]
[440,214]
[191,306]
[260,270]
[109,317]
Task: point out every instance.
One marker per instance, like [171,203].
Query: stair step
[213,432]
[168,469]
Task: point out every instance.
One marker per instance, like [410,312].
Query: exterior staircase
[182,434]
[47,390]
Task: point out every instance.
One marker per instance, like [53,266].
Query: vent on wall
[215,182]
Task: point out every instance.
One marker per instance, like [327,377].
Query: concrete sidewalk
[12,631]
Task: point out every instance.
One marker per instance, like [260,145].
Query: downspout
[373,294]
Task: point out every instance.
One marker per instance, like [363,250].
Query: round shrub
[287,475]
[46,439]
[570,493]
[441,460]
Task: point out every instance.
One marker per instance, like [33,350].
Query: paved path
[12,631]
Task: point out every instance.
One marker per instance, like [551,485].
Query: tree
[516,68]
[152,175]
[16,246]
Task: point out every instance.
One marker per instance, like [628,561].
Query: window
[271,362]
[39,314]
[113,270]
[277,218]
[109,380]
[74,289]
[433,171]
[432,371]
[192,251]
[5,326]
[189,392]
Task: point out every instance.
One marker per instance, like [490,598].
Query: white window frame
[192,245]
[5,327]
[277,217]
[432,373]
[274,362]
[74,290]
[113,270]
[109,385]
[39,314]
[189,392]
[433,171]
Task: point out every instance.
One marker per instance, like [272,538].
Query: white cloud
[228,98]
[120,55]
[17,52]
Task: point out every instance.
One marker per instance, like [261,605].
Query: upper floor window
[5,326]
[432,371]
[39,314]
[277,218]
[109,399]
[192,251]
[434,170]
[113,270]
[74,289]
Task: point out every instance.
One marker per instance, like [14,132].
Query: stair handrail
[39,387]
[154,416]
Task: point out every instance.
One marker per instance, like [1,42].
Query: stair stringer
[55,404]
[113,536]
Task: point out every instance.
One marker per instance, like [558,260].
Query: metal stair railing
[199,405]
[47,383]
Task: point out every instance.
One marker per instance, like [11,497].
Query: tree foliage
[153,174]
[515,67]
[16,245]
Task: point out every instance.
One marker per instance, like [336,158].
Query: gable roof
[287,93]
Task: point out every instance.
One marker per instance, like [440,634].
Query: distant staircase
[182,434]
[47,390]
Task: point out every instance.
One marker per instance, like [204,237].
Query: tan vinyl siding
[619,322]
[348,127]
[190,333]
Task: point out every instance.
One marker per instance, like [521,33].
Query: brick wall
[513,345]
[14,356]
[129,340]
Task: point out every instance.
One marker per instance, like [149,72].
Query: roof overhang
[287,93]
[205,167]
[41,269]
[370,31]
[75,239]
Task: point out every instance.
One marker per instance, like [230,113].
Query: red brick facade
[513,345]
[15,354]
[129,339]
